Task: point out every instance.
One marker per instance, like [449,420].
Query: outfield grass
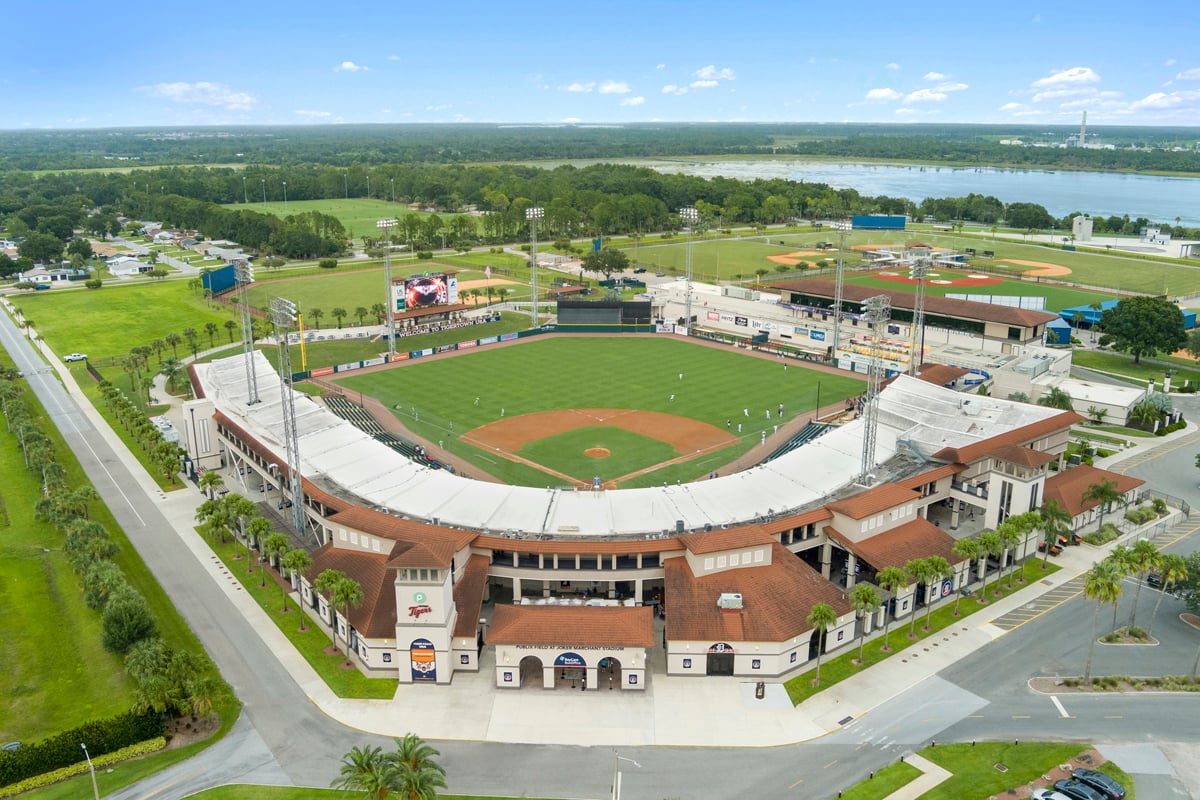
[245,792]
[838,669]
[436,399]
[886,781]
[1057,297]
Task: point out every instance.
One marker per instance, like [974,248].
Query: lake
[1100,194]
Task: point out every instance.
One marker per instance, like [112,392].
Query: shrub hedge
[80,767]
[101,736]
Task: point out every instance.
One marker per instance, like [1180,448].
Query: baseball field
[631,410]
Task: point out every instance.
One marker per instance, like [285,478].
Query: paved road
[282,738]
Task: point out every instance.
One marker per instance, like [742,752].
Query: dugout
[624,315]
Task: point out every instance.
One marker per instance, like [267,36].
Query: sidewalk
[673,710]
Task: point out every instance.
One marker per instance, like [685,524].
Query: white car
[76,357]
[1048,794]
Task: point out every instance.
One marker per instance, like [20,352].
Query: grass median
[846,665]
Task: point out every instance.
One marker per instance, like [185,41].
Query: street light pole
[386,225]
[285,197]
[616,784]
[264,188]
[393,190]
[92,769]
[346,181]
[245,195]
[534,214]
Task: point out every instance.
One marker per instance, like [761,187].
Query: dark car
[1077,790]
[1099,781]
[1154,580]
[639,270]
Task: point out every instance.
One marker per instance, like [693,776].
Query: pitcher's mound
[597,452]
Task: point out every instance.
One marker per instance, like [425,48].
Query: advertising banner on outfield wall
[465,345]
[713,316]
[509,337]
[488,340]
[316,373]
[373,362]
[664,327]
[347,367]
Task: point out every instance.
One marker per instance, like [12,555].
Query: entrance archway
[530,670]
[609,673]
[720,659]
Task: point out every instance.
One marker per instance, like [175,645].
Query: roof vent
[730,601]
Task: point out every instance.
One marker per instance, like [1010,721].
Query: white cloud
[892,66]
[393,57]
[660,66]
[924,96]
[1074,75]
[1011,107]
[311,114]
[702,84]
[712,73]
[1189,75]
[882,96]
[201,93]
[1158,100]
[580,87]
[439,107]
[571,120]
[350,66]
[633,101]
[905,112]
[671,88]
[935,76]
[614,87]
[1170,62]
[951,86]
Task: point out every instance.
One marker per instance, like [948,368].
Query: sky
[265,62]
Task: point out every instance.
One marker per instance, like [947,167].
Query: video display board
[430,289]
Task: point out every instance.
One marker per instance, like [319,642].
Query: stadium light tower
[283,314]
[878,310]
[919,272]
[534,214]
[386,225]
[839,283]
[243,274]
[689,216]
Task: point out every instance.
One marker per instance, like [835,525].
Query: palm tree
[273,548]
[366,770]
[890,579]
[348,593]
[315,315]
[241,510]
[1102,583]
[257,530]
[1058,398]
[1144,557]
[864,600]
[935,567]
[295,562]
[230,327]
[209,482]
[339,314]
[1105,492]
[211,329]
[414,756]
[1172,570]
[173,339]
[990,544]
[360,312]
[822,617]
[1055,522]
[918,570]
[1124,563]
[380,311]
[968,549]
[1010,537]
[170,369]
[190,334]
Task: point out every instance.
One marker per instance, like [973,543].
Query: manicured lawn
[437,398]
[974,767]
[310,643]
[837,669]
[629,452]
[886,781]
[1057,297]
[243,792]
[357,214]
[113,320]
[1142,372]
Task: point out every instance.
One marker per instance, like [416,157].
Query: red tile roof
[776,600]
[375,617]
[895,548]
[943,306]
[1068,488]
[376,522]
[581,546]
[944,471]
[1021,456]
[572,626]
[874,500]
[1023,435]
[732,539]
[941,374]
[468,595]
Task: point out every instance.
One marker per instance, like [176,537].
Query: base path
[792,259]
[1041,269]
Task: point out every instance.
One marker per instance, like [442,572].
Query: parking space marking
[1062,712]
[1036,608]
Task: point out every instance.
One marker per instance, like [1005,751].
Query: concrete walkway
[933,775]
[673,710]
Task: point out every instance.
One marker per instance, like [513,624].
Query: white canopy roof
[916,419]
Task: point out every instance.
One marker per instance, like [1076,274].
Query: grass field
[1115,363]
[975,774]
[357,214]
[565,452]
[437,398]
[1057,297]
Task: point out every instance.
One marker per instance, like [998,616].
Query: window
[1006,491]
[721,561]
[733,559]
[1014,333]
[708,564]
[353,537]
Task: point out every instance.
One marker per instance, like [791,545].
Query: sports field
[357,214]
[560,410]
[946,281]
